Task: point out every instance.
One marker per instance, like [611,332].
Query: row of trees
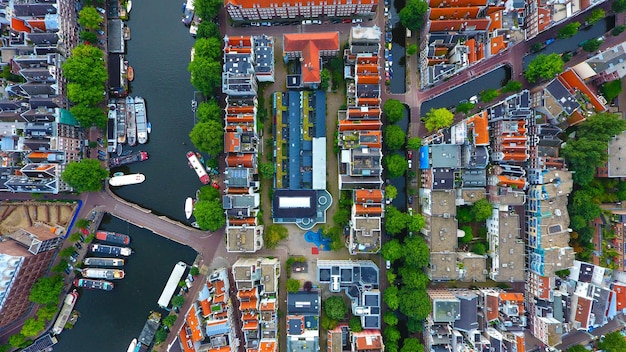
[208,209]
[611,342]
[84,176]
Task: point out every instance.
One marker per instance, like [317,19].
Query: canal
[110,320]
[159,51]
[398,80]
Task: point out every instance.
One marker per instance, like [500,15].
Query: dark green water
[110,320]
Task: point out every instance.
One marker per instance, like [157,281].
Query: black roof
[303,212]
[305,303]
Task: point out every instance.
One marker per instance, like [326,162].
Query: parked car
[74,255]
[266,24]
[410,164]
[409,154]
[102,152]
[307,22]
[100,31]
[72,259]
[317,22]
[100,9]
[255,24]
[357,20]
[388,264]
[410,199]
[78,245]
[67,271]
[102,158]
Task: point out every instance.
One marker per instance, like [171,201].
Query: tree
[267,170]
[396,165]
[208,48]
[84,176]
[536,47]
[293,285]
[328,323]
[82,223]
[577,348]
[46,290]
[414,303]
[596,15]
[583,156]
[411,49]
[611,90]
[481,210]
[412,345]
[468,234]
[416,252]
[390,318]
[308,286]
[393,110]
[160,336]
[66,252]
[89,115]
[413,278]
[412,15]
[592,45]
[85,66]
[355,324]
[391,277]
[488,95]
[392,334]
[618,29]
[209,193]
[392,250]
[207,29]
[335,307]
[170,320]
[512,86]
[77,93]
[47,312]
[415,222]
[618,5]
[273,234]
[391,192]
[342,217]
[18,340]
[602,127]
[207,9]
[414,325]
[209,111]
[324,79]
[612,342]
[178,301]
[208,137]
[479,248]
[544,67]
[206,75]
[209,215]
[394,137]
[390,297]
[194,271]
[32,327]
[60,267]
[414,143]
[88,36]
[569,30]
[89,18]
[465,107]
[396,220]
[438,118]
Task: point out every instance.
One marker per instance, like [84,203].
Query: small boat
[128,159]
[94,284]
[126,180]
[130,73]
[131,347]
[110,250]
[131,123]
[194,103]
[101,273]
[188,207]
[141,119]
[104,261]
[129,6]
[66,312]
[117,238]
[195,164]
[149,127]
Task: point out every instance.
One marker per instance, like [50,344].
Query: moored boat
[121,125]
[100,273]
[195,164]
[131,347]
[188,207]
[117,238]
[149,127]
[150,328]
[129,6]
[112,129]
[94,284]
[110,250]
[131,123]
[66,312]
[126,180]
[128,159]
[141,118]
[130,73]
[104,261]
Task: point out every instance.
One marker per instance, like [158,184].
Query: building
[310,49]
[537,16]
[303,312]
[253,10]
[368,209]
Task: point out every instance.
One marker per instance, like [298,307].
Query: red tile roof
[246,160]
[453,13]
[194,325]
[583,310]
[479,125]
[497,44]
[310,45]
[368,196]
[491,306]
[479,24]
[456,3]
[185,340]
[572,81]
[620,295]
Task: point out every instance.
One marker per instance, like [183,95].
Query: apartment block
[251,10]
[537,16]
[367,213]
[309,49]
[303,312]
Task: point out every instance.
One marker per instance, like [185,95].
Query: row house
[606,66]
[243,56]
[209,325]
[458,34]
[303,315]
[253,10]
[256,280]
[309,49]
[342,339]
[537,16]
[367,211]
[482,320]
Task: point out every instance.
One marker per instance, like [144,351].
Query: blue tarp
[424,162]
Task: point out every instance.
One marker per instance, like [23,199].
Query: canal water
[159,52]
[110,320]
[398,80]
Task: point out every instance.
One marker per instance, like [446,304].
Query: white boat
[131,123]
[129,6]
[188,207]
[141,118]
[131,179]
[66,311]
[131,347]
[149,127]
[112,129]
[101,273]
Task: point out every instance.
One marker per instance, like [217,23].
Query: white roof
[172,284]
[294,202]
[319,163]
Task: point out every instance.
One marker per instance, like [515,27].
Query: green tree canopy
[611,89]
[618,29]
[396,220]
[413,277]
[592,45]
[544,67]
[178,301]
[412,345]
[66,252]
[512,86]
[170,320]
[392,250]
[394,137]
[335,307]
[208,137]
[194,271]
[32,327]
[207,9]
[209,215]
[536,47]
[479,248]
[583,156]
[47,312]
[160,336]
[46,290]
[208,29]
[391,192]
[393,110]
[613,342]
[577,348]
[19,340]
[488,95]
[411,49]
[82,223]
[414,303]
[84,176]
[89,18]
[602,127]
[206,75]
[412,15]
[267,170]
[88,36]
[618,5]
[355,324]
[209,193]
[596,15]
[438,118]
[465,107]
[273,234]
[396,165]
[416,252]
[390,318]
[390,297]
[209,111]
[89,115]
[208,48]
[392,334]
[569,30]
[293,285]
[89,95]
[85,66]
[415,222]
[414,143]
[481,210]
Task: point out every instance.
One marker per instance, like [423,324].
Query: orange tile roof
[206,307]
[544,18]
[246,221]
[221,298]
[19,25]
[38,155]
[368,101]
[497,44]
[520,342]
[544,286]
[367,340]
[310,45]
[268,306]
[368,195]
[185,340]
[233,160]
[361,79]
[377,143]
[232,143]
[247,4]
[37,23]
[583,310]
[571,80]
[249,109]
[495,14]
[367,68]
[268,346]
[251,325]
[479,24]
[576,118]
[250,304]
[516,156]
[239,118]
[471,48]
[368,210]
[194,325]
[491,306]
[456,3]
[453,13]
[512,297]
[221,315]
[219,287]
[363,113]
[348,125]
[505,180]
[620,295]
[220,349]
[480,123]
